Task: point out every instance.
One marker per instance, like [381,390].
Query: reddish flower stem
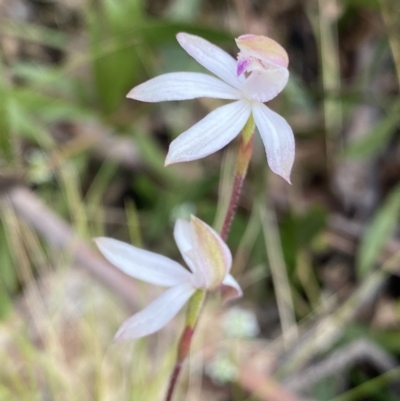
[183,351]
[173,380]
[244,155]
[196,302]
[192,315]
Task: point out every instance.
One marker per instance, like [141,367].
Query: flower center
[259,53]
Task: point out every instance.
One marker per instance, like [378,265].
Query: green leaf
[42,77]
[48,108]
[379,230]
[6,150]
[153,155]
[8,274]
[116,63]
[298,231]
[122,38]
[160,32]
[378,137]
[34,33]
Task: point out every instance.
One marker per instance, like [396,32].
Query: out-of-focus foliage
[375,141]
[96,159]
[379,231]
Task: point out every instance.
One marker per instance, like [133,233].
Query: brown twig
[353,231]
[341,361]
[264,387]
[60,235]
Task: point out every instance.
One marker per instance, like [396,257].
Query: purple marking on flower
[242,64]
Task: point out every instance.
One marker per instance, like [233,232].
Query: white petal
[212,257]
[230,289]
[210,134]
[182,86]
[262,86]
[157,314]
[143,265]
[211,57]
[183,238]
[278,139]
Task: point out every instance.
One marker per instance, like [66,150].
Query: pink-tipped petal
[278,139]
[210,134]
[143,265]
[213,257]
[211,57]
[157,314]
[182,86]
[230,289]
[262,86]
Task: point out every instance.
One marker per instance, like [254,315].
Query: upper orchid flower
[206,255]
[259,74]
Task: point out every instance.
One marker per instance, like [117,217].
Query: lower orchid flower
[204,252]
[259,74]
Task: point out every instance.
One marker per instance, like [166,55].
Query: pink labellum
[262,51]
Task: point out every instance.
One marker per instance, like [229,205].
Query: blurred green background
[317,260]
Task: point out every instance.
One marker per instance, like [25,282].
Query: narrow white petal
[230,289]
[182,86]
[278,139]
[210,134]
[262,86]
[143,265]
[184,240]
[157,314]
[183,236]
[211,57]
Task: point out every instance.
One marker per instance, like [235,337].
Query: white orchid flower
[207,257]
[259,74]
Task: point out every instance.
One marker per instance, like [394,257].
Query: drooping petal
[211,57]
[182,86]
[212,256]
[141,264]
[183,238]
[210,134]
[230,289]
[156,315]
[278,139]
[262,86]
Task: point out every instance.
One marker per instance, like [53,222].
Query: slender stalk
[197,300]
[242,163]
[391,14]
[192,316]
[279,276]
